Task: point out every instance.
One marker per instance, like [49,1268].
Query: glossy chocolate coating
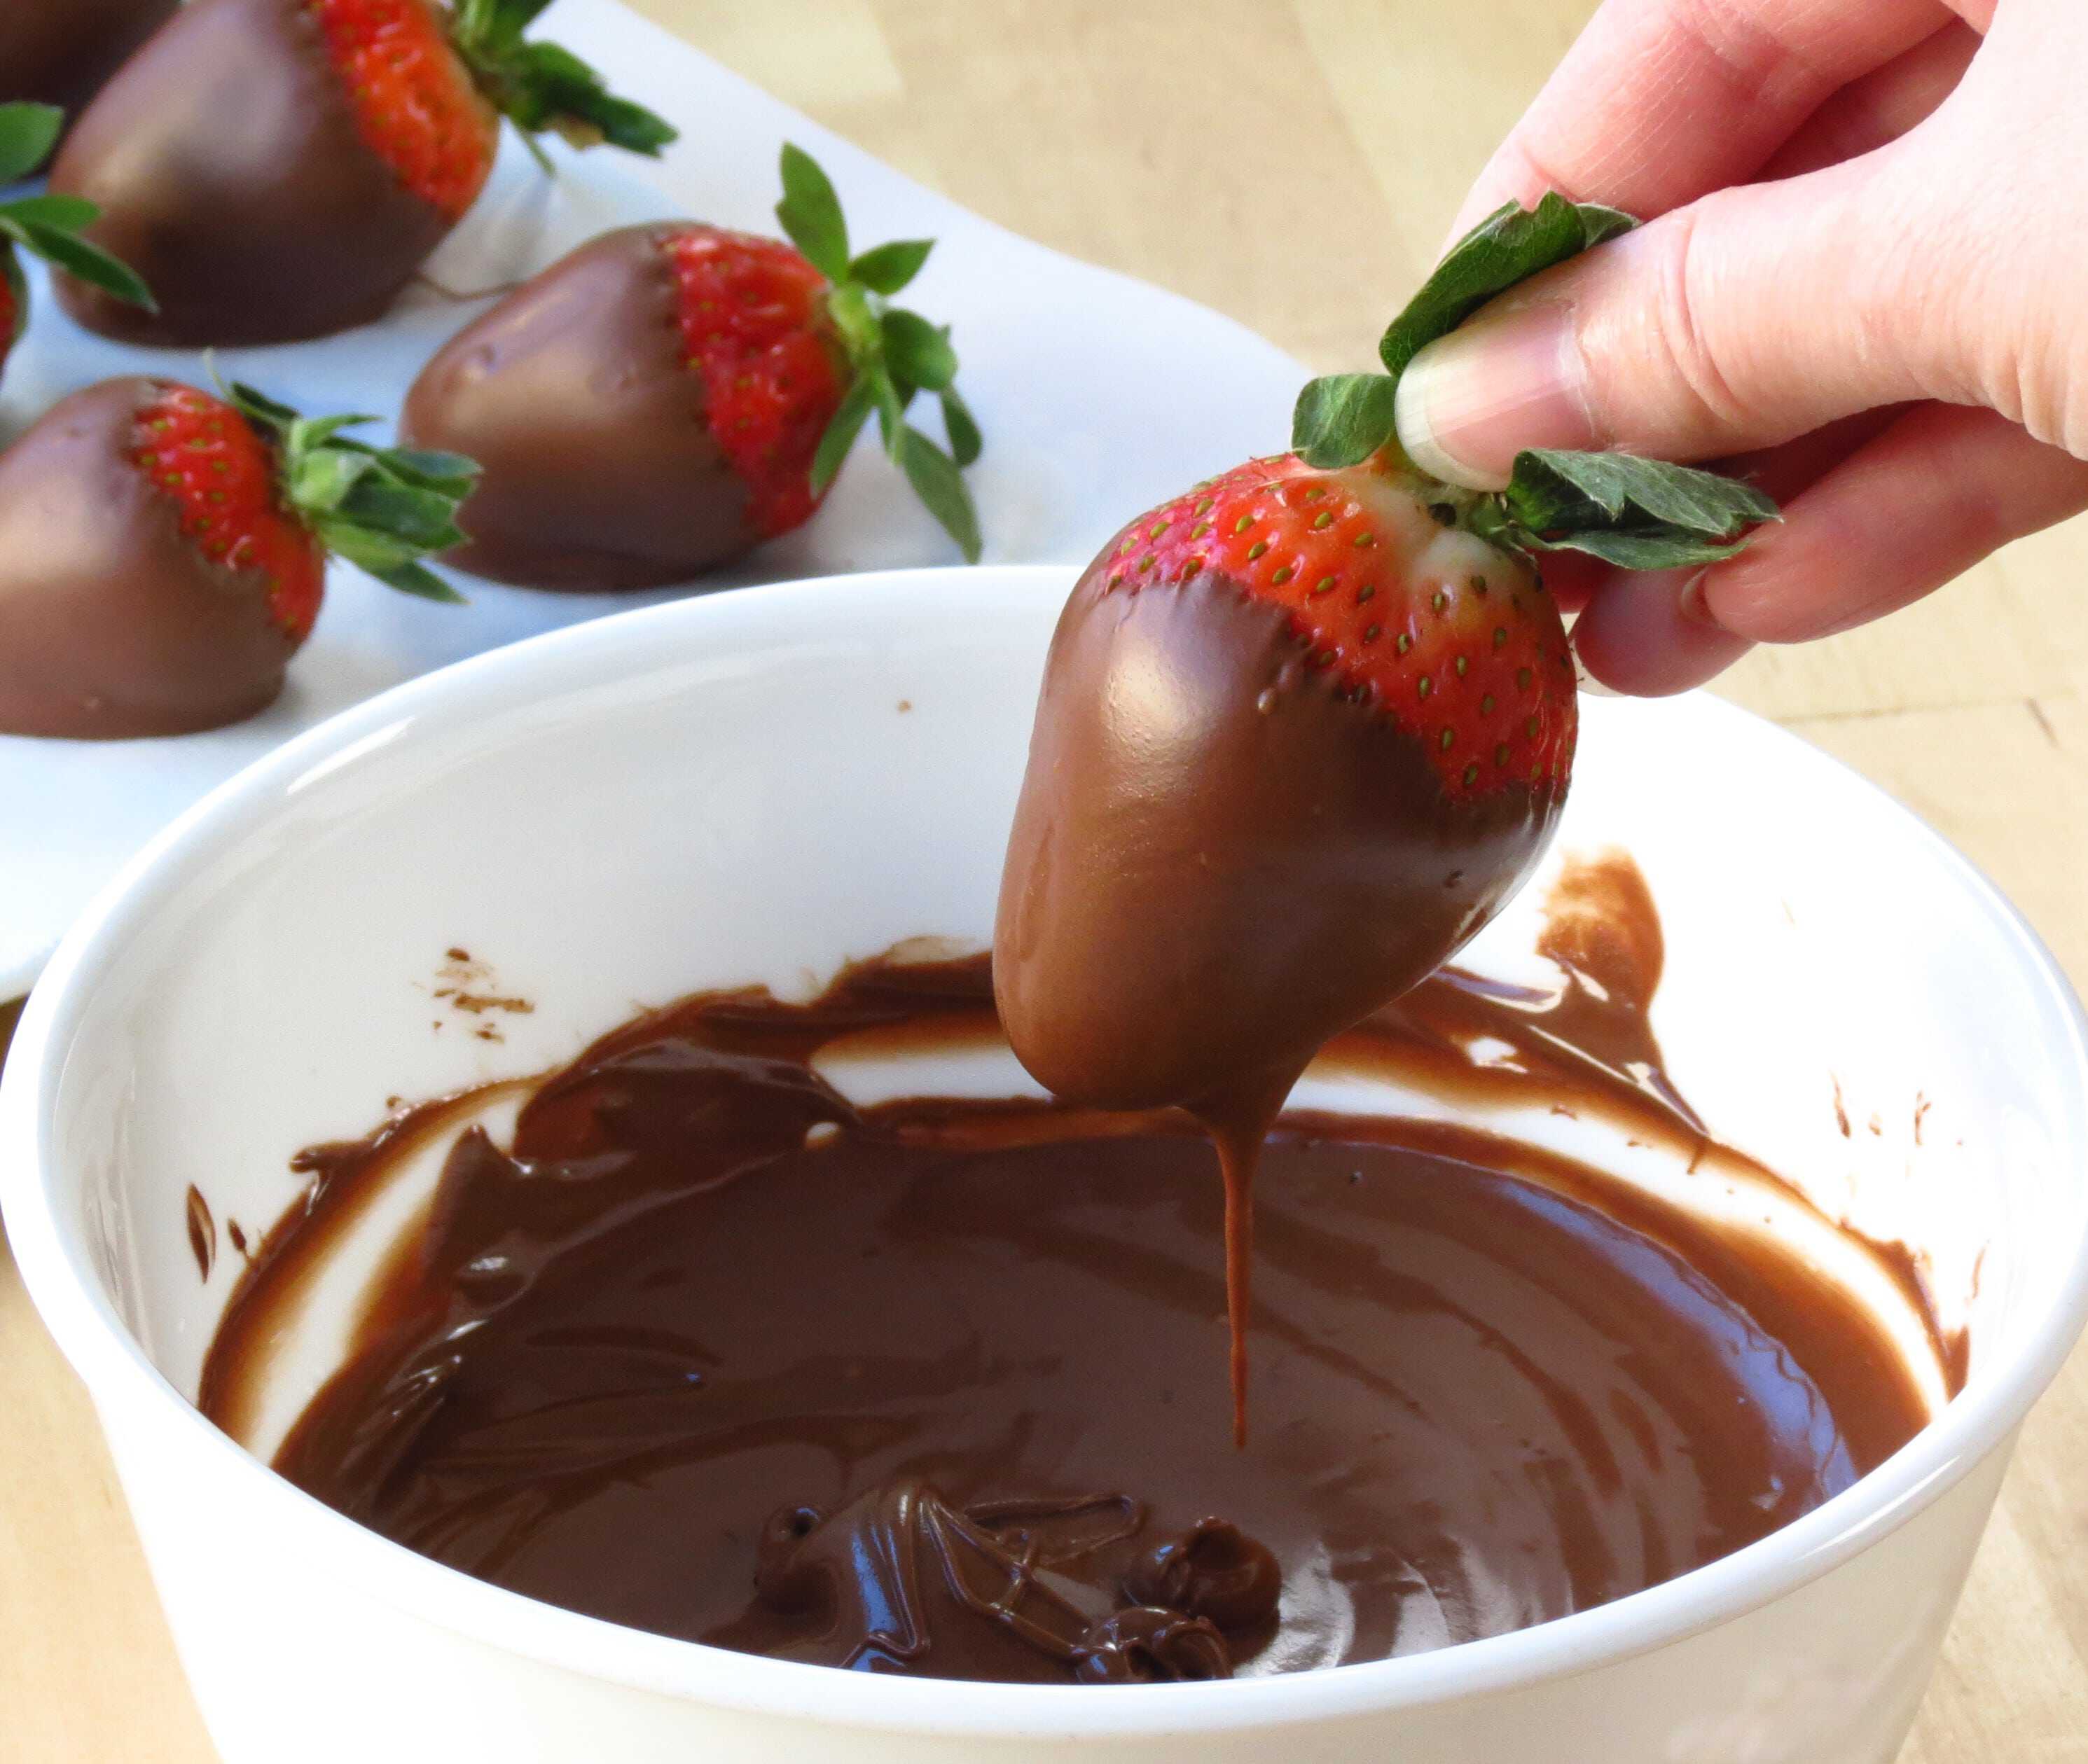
[62,51]
[233,177]
[935,1387]
[112,623]
[1217,861]
[598,467]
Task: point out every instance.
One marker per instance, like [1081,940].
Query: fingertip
[1571,578]
[1647,636]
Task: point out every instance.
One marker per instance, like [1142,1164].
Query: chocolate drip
[1218,861]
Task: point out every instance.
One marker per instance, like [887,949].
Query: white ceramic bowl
[759,785]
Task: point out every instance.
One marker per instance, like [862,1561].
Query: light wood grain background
[1294,163]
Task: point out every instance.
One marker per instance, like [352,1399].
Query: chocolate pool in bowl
[759,789]
[933,1385]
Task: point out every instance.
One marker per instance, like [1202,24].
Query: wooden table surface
[1188,144]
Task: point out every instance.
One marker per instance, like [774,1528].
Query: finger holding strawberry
[670,395]
[278,169]
[163,552]
[48,226]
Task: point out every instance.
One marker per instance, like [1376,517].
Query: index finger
[1661,101]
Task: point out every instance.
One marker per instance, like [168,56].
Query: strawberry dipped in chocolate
[669,395]
[46,226]
[163,552]
[278,169]
[62,51]
[1304,731]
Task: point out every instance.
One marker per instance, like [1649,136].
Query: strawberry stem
[382,509]
[541,87]
[1636,513]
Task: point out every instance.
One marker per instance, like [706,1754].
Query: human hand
[1863,282]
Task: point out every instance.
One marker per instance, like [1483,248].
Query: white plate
[1099,395]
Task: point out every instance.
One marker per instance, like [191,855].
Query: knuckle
[1683,357]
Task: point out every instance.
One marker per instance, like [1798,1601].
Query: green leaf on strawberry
[959,424]
[893,354]
[1343,418]
[918,352]
[1510,245]
[1553,491]
[885,269]
[937,481]
[811,217]
[1636,513]
[383,509]
[841,433]
[28,134]
[542,85]
[53,226]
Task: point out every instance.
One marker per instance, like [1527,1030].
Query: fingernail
[1691,602]
[1471,401]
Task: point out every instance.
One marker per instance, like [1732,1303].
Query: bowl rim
[110,1360]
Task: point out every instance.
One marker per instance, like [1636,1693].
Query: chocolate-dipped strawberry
[278,169]
[670,395]
[62,51]
[49,226]
[163,552]
[1303,730]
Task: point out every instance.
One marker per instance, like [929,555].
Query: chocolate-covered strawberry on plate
[62,51]
[49,226]
[670,395]
[278,169]
[163,552]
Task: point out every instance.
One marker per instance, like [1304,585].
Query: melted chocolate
[932,1386]
[597,466]
[112,623]
[62,51]
[233,176]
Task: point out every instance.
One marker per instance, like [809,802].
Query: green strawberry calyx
[892,354]
[540,86]
[383,509]
[53,226]
[1636,513]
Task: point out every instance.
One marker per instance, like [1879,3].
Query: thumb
[1753,316]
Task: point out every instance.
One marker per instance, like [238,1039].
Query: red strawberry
[279,168]
[1304,730]
[163,552]
[47,225]
[1396,607]
[61,52]
[218,473]
[752,316]
[667,396]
